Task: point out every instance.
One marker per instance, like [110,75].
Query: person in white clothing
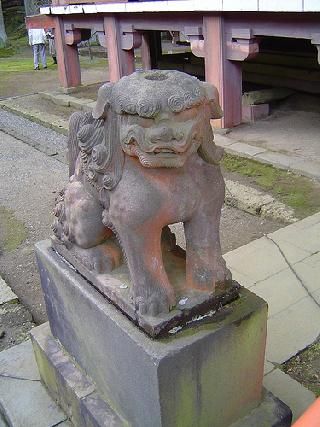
[37,39]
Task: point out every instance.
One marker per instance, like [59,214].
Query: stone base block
[252,113]
[68,385]
[209,375]
[76,393]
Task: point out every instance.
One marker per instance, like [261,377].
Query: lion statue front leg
[142,241]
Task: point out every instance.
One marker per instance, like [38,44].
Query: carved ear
[213,97]
[102,104]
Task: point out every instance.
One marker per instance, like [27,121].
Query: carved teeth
[164,150]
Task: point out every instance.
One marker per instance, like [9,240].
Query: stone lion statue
[145,158]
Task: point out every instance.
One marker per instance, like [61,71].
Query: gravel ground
[24,129]
[29,182]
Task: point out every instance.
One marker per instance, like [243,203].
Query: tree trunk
[3,34]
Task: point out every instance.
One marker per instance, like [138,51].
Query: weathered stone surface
[144,159]
[256,202]
[289,391]
[270,413]
[190,305]
[210,375]
[68,385]
[252,113]
[6,294]
[24,401]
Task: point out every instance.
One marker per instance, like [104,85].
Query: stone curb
[42,147]
[6,294]
[296,164]
[24,401]
[47,120]
[85,104]
[290,391]
[256,202]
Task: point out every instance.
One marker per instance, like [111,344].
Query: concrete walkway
[282,267]
[290,145]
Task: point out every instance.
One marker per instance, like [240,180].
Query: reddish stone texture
[144,160]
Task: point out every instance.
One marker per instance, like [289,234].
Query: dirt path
[29,181]
[17,76]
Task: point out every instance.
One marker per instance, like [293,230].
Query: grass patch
[12,231]
[6,52]
[86,62]
[305,368]
[300,193]
[13,46]
[11,65]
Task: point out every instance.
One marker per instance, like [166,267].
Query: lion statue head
[160,117]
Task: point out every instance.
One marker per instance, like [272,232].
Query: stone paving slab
[6,294]
[307,239]
[284,269]
[292,330]
[23,399]
[245,149]
[277,159]
[258,260]
[295,395]
[288,291]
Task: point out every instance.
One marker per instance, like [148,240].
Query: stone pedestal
[210,375]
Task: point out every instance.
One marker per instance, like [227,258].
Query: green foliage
[301,193]
[6,52]
[14,21]
[13,45]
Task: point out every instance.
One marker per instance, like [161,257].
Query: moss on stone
[300,193]
[12,231]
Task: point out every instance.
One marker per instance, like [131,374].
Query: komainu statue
[145,159]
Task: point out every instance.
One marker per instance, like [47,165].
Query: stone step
[24,401]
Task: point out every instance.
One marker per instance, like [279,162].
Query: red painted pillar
[226,75]
[67,57]
[145,51]
[121,62]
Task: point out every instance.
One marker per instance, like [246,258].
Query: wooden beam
[224,74]
[111,30]
[67,56]
[40,21]
[282,71]
[67,2]
[278,81]
[145,51]
[121,62]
